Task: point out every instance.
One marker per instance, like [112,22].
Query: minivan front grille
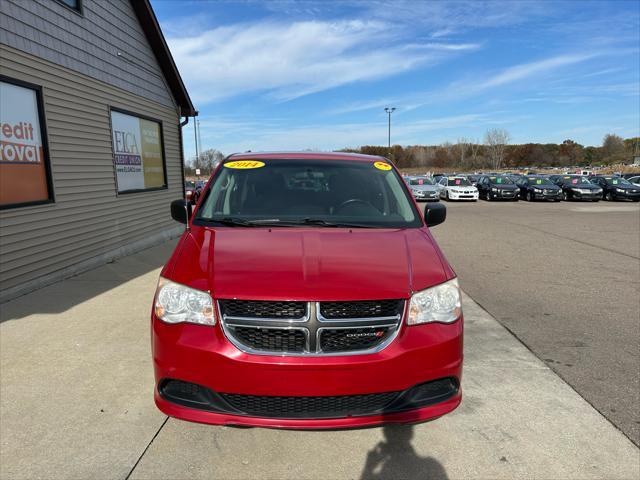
[361,309]
[263,309]
[318,328]
[271,339]
[349,339]
[310,407]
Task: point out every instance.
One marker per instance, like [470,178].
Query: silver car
[423,188]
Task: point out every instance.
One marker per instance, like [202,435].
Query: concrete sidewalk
[76,402]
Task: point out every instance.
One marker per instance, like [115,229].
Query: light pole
[389,111]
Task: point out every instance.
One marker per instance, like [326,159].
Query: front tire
[565,196]
[488,196]
[529,197]
[609,197]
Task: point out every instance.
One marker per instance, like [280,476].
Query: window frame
[45,143]
[111,109]
[77,11]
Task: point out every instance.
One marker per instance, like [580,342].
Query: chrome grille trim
[311,324]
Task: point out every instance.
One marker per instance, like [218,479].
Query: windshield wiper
[275,222]
[232,222]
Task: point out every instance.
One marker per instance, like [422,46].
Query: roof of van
[306,156]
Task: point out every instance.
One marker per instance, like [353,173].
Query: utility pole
[389,111]
[195,134]
[199,137]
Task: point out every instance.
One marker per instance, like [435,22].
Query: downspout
[182,124]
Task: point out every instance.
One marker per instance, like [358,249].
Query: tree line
[205,162]
[495,152]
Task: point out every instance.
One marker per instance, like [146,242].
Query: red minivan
[307,292]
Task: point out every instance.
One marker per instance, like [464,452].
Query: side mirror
[434,214]
[181,211]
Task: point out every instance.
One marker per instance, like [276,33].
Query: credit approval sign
[23,168]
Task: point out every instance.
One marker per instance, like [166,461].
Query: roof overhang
[152,31]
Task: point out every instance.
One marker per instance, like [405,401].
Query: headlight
[619,190]
[176,303]
[537,190]
[436,304]
[494,189]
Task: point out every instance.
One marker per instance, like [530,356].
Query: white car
[457,188]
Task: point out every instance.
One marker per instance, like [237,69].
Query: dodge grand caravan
[307,292]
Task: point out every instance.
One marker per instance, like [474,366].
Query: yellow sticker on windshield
[382,166]
[244,164]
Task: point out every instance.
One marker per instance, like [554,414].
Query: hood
[583,186]
[504,187]
[423,188]
[308,263]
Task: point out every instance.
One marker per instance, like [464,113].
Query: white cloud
[526,70]
[295,59]
[482,81]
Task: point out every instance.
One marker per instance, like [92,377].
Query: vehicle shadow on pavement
[65,294]
[394,458]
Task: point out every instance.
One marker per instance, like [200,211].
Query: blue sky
[317,75]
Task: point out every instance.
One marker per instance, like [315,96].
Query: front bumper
[463,196]
[426,196]
[202,355]
[556,195]
[586,196]
[505,194]
[626,196]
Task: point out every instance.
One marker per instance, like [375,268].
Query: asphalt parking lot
[565,279]
[77,381]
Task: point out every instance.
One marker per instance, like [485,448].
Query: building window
[138,152]
[25,172]
[72,4]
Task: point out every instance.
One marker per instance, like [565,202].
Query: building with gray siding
[90,123]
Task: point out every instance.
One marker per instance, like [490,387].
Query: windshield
[576,180]
[539,181]
[459,182]
[617,181]
[304,192]
[501,180]
[421,181]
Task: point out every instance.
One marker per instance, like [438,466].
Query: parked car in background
[457,188]
[497,187]
[473,179]
[538,187]
[331,343]
[193,190]
[635,180]
[190,191]
[437,176]
[577,187]
[423,188]
[617,188]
